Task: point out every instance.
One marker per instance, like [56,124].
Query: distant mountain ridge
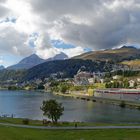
[60,56]
[27,62]
[2,67]
[34,60]
[93,61]
[116,55]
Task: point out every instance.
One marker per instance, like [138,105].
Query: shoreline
[129,104]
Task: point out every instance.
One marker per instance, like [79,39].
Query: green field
[11,133]
[39,123]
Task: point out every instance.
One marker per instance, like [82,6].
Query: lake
[26,104]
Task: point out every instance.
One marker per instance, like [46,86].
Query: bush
[25,121]
[138,108]
[12,88]
[64,88]
[122,104]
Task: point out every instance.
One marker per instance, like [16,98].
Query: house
[118,67]
[91,81]
[82,76]
[138,80]
[38,81]
[116,77]
[98,77]
[47,85]
[131,83]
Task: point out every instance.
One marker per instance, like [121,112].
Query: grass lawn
[39,123]
[12,133]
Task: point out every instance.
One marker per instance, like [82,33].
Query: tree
[64,88]
[41,86]
[52,109]
[126,84]
[135,84]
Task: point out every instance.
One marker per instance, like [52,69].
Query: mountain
[116,55]
[2,67]
[34,60]
[27,62]
[60,56]
[68,67]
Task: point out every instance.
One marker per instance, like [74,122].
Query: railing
[7,116]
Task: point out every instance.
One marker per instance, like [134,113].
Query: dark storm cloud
[96,24]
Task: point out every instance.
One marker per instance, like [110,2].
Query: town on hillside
[121,82]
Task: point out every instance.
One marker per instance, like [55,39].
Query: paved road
[70,127]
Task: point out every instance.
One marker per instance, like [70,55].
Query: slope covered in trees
[68,67]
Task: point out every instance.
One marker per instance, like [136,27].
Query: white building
[131,83]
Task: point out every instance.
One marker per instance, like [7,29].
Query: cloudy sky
[48,27]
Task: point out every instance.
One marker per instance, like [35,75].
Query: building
[116,77]
[98,77]
[82,77]
[119,94]
[122,67]
[131,83]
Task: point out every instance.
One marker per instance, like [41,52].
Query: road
[70,127]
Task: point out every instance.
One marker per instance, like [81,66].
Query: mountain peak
[31,59]
[60,56]
[34,55]
[28,62]
[128,47]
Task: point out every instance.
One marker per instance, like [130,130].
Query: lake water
[26,104]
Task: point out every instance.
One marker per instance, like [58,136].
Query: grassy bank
[39,123]
[11,133]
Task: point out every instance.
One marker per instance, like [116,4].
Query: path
[70,127]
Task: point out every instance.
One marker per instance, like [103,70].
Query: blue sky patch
[61,44]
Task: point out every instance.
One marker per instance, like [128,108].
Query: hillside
[11,75]
[116,55]
[68,67]
[132,63]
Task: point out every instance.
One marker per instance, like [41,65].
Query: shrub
[122,104]
[138,107]
[25,121]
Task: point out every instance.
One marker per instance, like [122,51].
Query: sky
[48,27]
